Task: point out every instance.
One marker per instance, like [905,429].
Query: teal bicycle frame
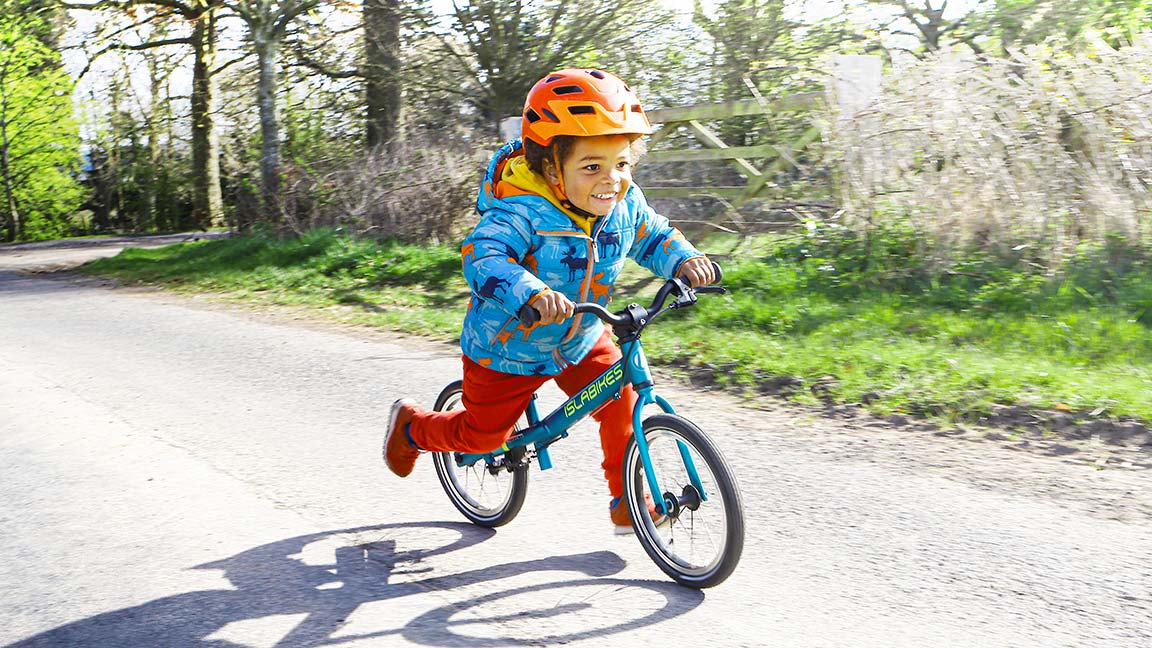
[632,369]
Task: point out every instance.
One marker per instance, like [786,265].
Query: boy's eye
[592,167]
[621,165]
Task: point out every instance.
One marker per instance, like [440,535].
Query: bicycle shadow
[325,578]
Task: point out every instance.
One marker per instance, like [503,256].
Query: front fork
[543,459]
[641,378]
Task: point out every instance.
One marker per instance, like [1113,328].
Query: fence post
[856,84]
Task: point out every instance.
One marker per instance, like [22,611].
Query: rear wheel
[488,493]
[702,541]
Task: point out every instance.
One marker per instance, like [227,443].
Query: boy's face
[597,170]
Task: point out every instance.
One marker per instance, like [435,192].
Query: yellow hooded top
[518,179]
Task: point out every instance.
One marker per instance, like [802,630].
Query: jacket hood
[488,198]
[508,175]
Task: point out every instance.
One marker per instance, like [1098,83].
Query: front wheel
[703,538]
[488,493]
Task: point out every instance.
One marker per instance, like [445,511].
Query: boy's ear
[550,172]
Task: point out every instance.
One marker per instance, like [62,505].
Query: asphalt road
[176,472]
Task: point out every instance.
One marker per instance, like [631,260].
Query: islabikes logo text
[602,384]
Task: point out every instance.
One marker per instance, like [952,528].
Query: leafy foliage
[38,138]
[1018,23]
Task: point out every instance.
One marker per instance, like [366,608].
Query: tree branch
[307,61]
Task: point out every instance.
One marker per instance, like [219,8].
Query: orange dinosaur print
[530,263]
[484,362]
[503,336]
[469,250]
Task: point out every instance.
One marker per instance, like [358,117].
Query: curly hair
[537,155]
[562,145]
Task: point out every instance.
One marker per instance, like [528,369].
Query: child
[559,214]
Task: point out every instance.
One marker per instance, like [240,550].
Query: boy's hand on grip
[553,307]
[698,271]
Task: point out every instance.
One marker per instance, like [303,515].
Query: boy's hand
[553,307]
[698,271]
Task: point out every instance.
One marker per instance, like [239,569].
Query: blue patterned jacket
[524,243]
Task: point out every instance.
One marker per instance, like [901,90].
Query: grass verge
[833,318]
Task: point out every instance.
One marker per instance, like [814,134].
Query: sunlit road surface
[179,474]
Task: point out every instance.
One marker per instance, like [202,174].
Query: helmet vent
[581,110]
[554,77]
[532,116]
[567,89]
[597,73]
[551,115]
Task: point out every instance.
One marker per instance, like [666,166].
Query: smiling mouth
[604,196]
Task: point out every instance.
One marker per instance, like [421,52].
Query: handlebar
[634,315]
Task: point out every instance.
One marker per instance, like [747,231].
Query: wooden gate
[757,164]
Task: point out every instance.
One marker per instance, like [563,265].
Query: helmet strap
[558,189]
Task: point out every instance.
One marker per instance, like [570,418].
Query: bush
[1041,151]
[415,194]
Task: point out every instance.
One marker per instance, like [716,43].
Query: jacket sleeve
[658,246]
[491,256]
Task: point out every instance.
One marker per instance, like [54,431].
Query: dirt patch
[1090,437]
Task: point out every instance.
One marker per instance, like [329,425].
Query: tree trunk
[266,46]
[146,220]
[207,199]
[12,232]
[382,70]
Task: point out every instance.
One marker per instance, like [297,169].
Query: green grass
[867,320]
[402,287]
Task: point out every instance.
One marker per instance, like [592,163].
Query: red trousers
[493,402]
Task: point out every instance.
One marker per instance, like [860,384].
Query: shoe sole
[628,530]
[396,405]
[392,416]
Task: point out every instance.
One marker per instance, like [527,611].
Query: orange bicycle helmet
[578,101]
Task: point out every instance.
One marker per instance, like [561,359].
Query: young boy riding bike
[559,214]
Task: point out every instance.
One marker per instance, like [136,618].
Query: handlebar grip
[718,271]
[528,314]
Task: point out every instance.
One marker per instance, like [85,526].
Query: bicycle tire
[698,547]
[487,498]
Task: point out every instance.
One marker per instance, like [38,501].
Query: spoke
[691,539]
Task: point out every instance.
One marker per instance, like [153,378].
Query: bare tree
[378,66]
[932,27]
[268,22]
[490,52]
[207,200]
[382,20]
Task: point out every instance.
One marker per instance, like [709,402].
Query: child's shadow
[324,578]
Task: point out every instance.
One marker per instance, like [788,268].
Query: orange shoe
[400,452]
[623,521]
